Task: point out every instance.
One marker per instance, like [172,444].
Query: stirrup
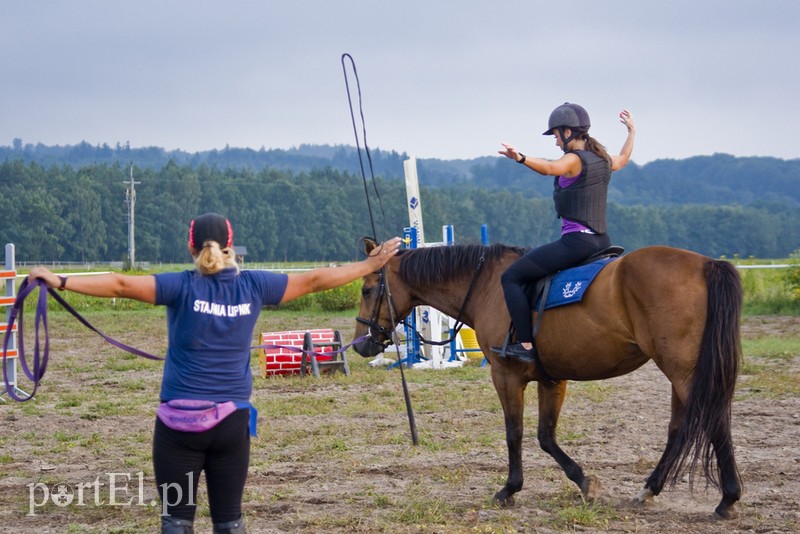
[502,350]
[518,352]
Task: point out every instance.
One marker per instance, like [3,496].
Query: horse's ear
[369,244]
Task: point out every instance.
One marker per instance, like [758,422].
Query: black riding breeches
[223,452]
[568,251]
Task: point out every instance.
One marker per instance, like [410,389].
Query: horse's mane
[431,265]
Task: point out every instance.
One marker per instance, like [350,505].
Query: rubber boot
[230,527]
[173,525]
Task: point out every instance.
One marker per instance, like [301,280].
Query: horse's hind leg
[551,398]
[657,479]
[729,476]
[723,448]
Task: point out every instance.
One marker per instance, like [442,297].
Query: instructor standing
[205,418]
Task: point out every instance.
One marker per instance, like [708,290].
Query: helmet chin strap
[574,134]
[564,139]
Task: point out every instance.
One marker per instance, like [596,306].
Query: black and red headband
[210,227]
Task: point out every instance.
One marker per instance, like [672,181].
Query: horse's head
[376,321]
[441,277]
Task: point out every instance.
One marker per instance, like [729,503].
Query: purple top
[567,225]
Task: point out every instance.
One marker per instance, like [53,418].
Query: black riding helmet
[571,116]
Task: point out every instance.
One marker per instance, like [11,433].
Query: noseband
[372,322]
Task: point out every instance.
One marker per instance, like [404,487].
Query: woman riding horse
[581,184]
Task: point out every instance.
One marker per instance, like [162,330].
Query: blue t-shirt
[210,321]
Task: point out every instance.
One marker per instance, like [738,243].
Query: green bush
[303,303]
[341,298]
[768,292]
[793,278]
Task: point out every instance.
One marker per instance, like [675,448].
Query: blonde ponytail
[211,259]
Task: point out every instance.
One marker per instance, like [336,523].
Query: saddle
[538,296]
[540,289]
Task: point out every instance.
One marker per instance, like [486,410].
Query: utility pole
[130,199]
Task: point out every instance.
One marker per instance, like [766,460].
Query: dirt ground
[355,471]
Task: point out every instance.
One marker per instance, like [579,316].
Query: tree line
[66,213]
[720,179]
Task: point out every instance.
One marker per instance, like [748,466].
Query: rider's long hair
[593,145]
[211,259]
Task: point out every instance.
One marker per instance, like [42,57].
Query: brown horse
[672,306]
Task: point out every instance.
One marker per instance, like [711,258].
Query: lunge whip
[348,57]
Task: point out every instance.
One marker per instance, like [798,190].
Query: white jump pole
[415,221]
[431,323]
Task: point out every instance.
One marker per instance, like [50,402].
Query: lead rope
[41,354]
[395,340]
[35,373]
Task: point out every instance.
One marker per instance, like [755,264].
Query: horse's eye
[366,291]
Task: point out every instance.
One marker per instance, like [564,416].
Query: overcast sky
[440,79]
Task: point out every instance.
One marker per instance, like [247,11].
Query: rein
[459,324]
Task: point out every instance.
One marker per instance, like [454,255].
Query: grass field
[334,454]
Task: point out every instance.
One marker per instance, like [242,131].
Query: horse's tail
[708,407]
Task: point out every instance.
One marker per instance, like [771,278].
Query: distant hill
[308,203]
[720,179]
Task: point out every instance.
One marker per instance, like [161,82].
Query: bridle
[372,322]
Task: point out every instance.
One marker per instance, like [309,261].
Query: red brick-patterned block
[284,361]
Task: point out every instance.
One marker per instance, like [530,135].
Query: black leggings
[223,452]
[568,251]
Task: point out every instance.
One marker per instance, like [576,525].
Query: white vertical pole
[415,221]
[414,203]
[132,229]
[131,197]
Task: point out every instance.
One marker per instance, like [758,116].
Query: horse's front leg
[551,398]
[511,390]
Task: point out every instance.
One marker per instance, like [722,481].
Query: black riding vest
[585,200]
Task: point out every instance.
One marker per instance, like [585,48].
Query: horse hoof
[643,498]
[591,488]
[503,502]
[724,513]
